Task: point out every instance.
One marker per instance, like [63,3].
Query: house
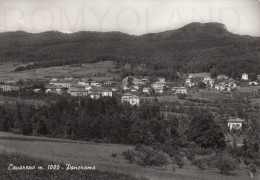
[36,90]
[145,80]
[54,79]
[130,98]
[95,95]
[136,87]
[235,123]
[77,91]
[133,90]
[125,87]
[107,93]
[146,90]
[83,83]
[114,89]
[109,83]
[65,84]
[88,87]
[68,79]
[245,77]
[137,81]
[180,90]
[55,89]
[189,82]
[222,77]
[209,81]
[94,83]
[253,83]
[158,87]
[161,79]
[10,87]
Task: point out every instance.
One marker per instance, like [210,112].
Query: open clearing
[96,71]
[88,153]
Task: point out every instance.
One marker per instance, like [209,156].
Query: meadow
[99,155]
[95,71]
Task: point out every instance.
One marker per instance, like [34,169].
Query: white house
[161,79]
[245,77]
[208,80]
[130,98]
[253,83]
[77,91]
[65,84]
[235,123]
[107,93]
[55,89]
[83,83]
[180,90]
[95,95]
[88,87]
[158,87]
[10,87]
[146,90]
[222,77]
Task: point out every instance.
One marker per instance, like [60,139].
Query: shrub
[226,163]
[146,156]
[179,161]
[252,168]
[129,155]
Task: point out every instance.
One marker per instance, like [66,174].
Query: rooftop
[236,120]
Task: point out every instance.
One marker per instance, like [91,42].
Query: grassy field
[40,170]
[248,89]
[97,71]
[87,153]
[8,99]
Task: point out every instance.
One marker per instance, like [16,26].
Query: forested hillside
[194,48]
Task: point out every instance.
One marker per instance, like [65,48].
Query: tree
[226,163]
[202,85]
[201,163]
[205,132]
[179,161]
[113,155]
[256,147]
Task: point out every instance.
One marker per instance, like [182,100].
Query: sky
[134,17]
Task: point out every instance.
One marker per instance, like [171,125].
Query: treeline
[107,120]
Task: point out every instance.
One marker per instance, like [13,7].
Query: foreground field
[99,155]
[97,71]
[41,170]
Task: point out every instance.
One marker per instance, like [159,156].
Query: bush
[129,155]
[201,163]
[252,168]
[179,161]
[146,156]
[226,163]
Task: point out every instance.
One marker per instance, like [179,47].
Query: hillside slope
[195,47]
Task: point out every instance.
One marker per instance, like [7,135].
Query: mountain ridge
[196,47]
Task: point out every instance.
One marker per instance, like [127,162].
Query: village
[131,88]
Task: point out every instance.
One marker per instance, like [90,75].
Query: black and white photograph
[129,89]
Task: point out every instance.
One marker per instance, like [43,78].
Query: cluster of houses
[160,86]
[80,87]
[220,83]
